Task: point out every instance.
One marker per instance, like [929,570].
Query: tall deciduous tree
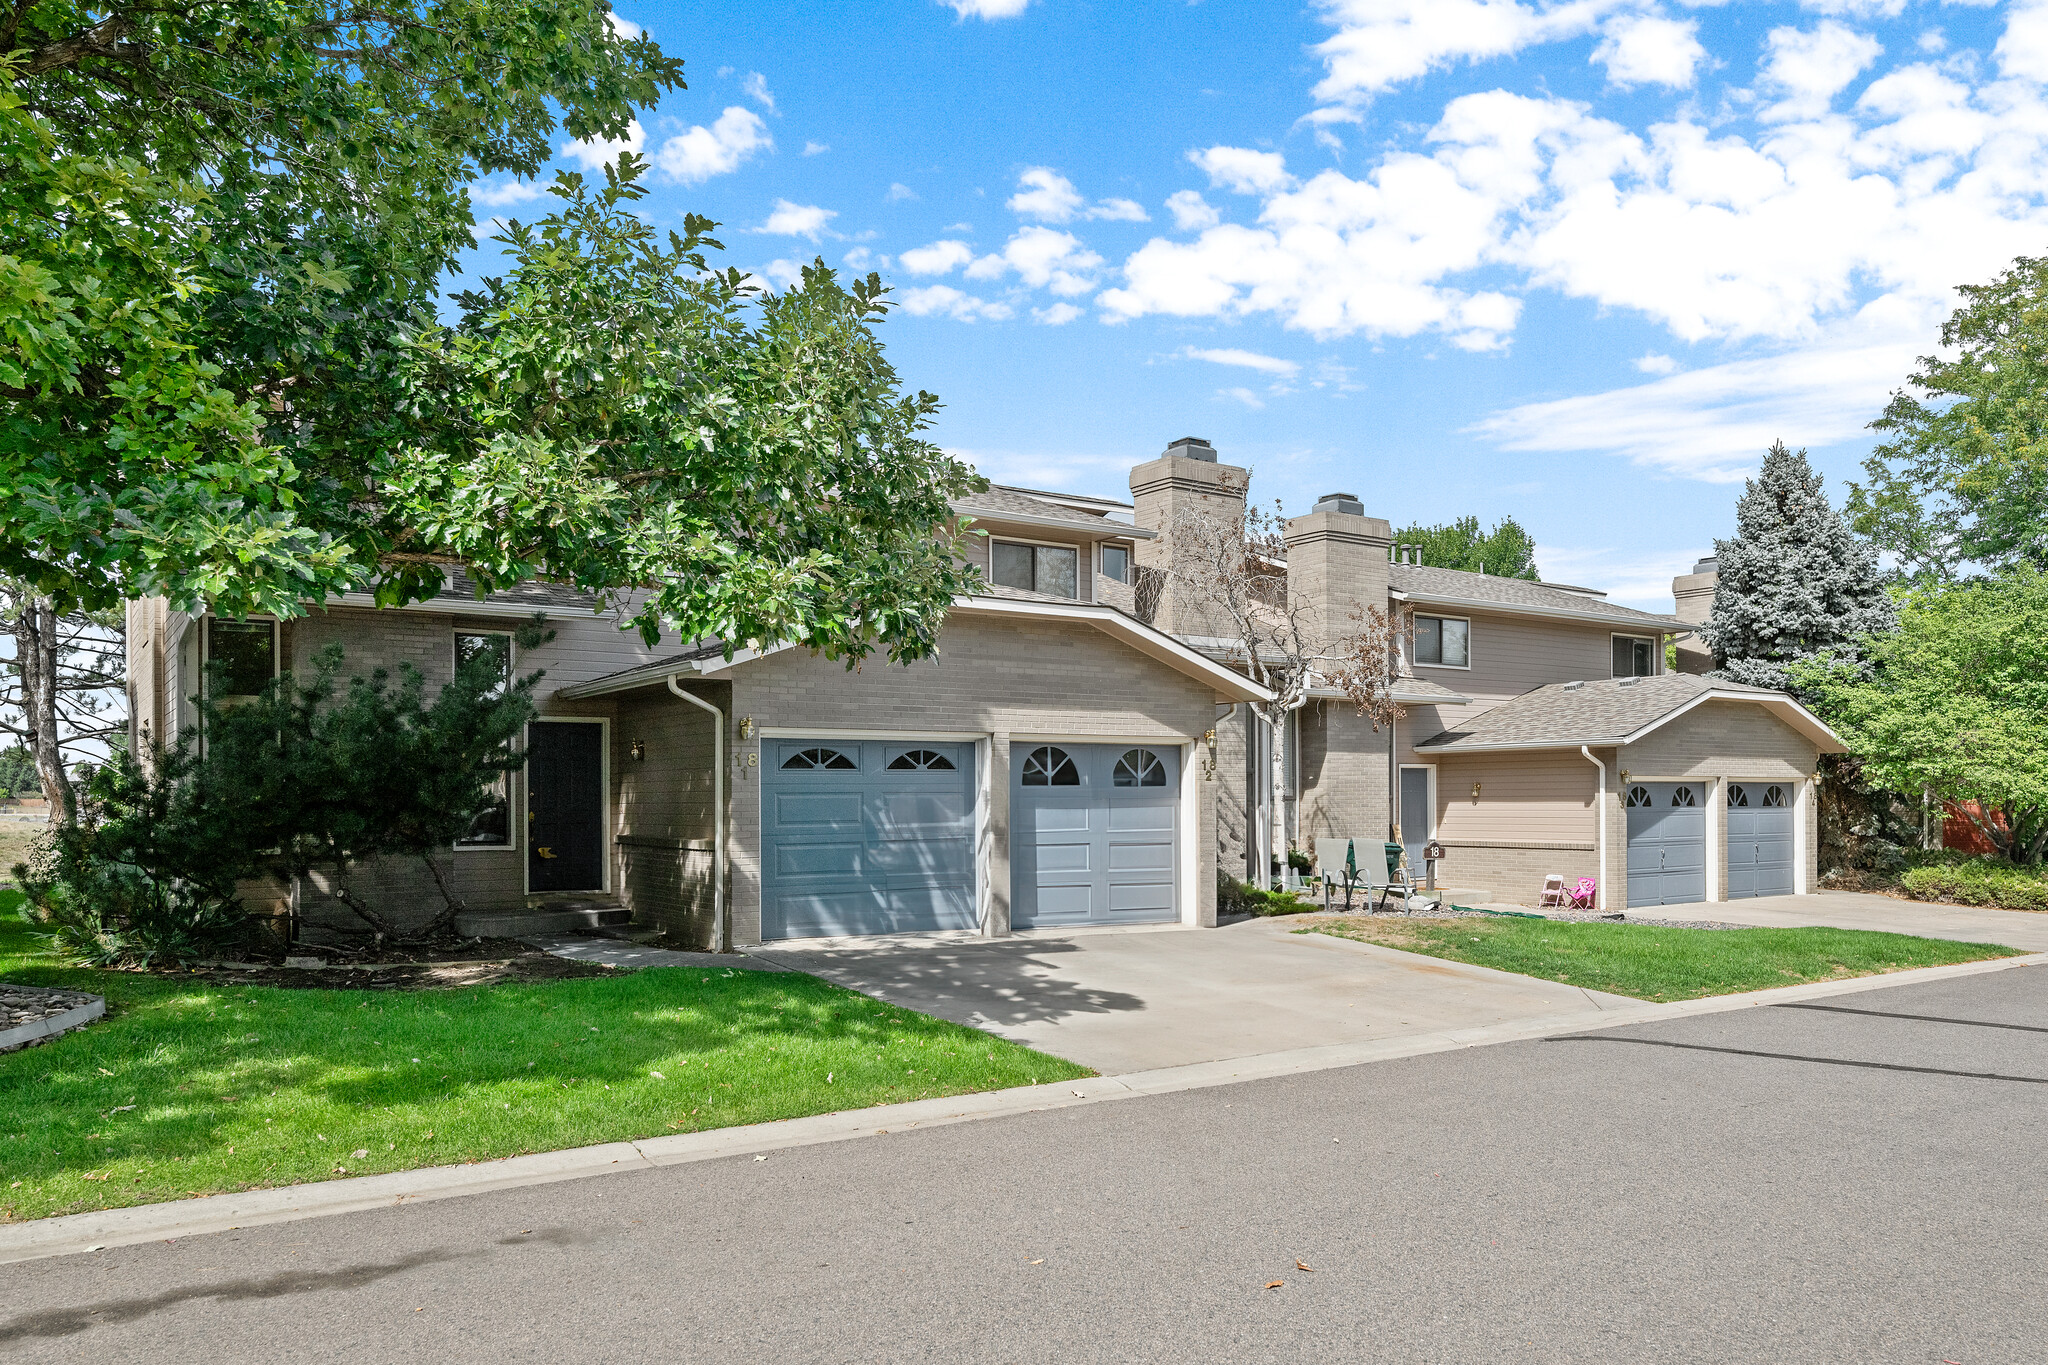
[1794,581]
[61,693]
[1955,703]
[223,234]
[1962,477]
[1508,550]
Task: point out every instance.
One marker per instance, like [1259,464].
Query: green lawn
[191,1088]
[1654,963]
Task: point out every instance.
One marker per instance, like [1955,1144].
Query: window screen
[1051,569]
[1443,640]
[1634,656]
[1116,563]
[1010,565]
[241,656]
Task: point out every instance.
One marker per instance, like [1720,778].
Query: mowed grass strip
[1654,963]
[188,1088]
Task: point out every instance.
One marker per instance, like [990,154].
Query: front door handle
[544,852]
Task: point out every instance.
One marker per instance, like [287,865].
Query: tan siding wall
[1510,655]
[1019,678]
[1544,797]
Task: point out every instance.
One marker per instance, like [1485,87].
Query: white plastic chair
[1553,891]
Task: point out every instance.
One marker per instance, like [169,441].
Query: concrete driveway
[1851,910]
[1124,1000]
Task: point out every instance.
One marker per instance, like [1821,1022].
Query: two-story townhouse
[1078,753]
[1542,733]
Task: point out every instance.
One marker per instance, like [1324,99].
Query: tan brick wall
[1344,792]
[663,809]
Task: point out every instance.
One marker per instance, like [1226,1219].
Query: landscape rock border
[61,1011]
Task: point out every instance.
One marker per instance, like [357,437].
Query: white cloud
[1042,259]
[936,259]
[1647,49]
[1250,360]
[596,154]
[497,194]
[816,148]
[756,86]
[1191,212]
[898,192]
[987,9]
[1243,170]
[1120,211]
[1931,40]
[1045,195]
[1242,395]
[1059,315]
[1715,423]
[701,153]
[625,28]
[1381,43]
[1808,69]
[2023,50]
[860,258]
[1640,579]
[1858,9]
[797,220]
[1653,363]
[782,273]
[945,301]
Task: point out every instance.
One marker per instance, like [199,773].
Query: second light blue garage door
[1759,840]
[1092,834]
[1667,843]
[866,837]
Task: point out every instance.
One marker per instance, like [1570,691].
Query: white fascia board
[1662,625]
[1592,742]
[1788,710]
[1130,631]
[1106,530]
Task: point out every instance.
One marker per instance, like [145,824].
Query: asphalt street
[1863,1178]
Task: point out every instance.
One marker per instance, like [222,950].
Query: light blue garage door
[1667,843]
[866,838]
[1759,839]
[1092,833]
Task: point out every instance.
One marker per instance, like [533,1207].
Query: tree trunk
[451,904]
[35,653]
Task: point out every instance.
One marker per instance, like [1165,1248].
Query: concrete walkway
[1851,910]
[633,957]
[1124,1000]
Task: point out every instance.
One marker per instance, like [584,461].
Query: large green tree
[1955,702]
[1507,551]
[224,229]
[1794,582]
[1962,475]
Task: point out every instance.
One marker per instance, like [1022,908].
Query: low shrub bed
[1977,881]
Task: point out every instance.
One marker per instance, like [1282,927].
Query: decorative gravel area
[22,1008]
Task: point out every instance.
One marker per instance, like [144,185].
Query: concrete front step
[556,918]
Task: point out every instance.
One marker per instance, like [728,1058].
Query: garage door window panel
[829,760]
[1050,767]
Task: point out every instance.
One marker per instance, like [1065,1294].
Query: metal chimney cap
[1340,502]
[1192,448]
[1710,564]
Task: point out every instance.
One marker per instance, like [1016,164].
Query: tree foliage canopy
[1962,477]
[1955,702]
[1794,582]
[1507,551]
[223,234]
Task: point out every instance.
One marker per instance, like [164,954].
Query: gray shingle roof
[1600,712]
[1512,592]
[541,596]
[999,502]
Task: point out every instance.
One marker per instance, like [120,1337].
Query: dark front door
[564,806]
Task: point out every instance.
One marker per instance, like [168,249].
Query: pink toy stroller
[1581,896]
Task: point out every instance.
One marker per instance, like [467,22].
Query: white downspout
[720,937]
[1599,828]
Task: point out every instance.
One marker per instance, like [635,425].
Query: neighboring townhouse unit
[1079,753]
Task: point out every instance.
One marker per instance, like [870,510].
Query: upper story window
[241,656]
[1443,641]
[1051,569]
[493,645]
[1116,563]
[1635,656]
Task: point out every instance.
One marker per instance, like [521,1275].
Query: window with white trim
[1443,641]
[1116,563]
[1050,569]
[1635,656]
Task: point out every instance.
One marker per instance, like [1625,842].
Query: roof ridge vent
[1628,682]
[1573,686]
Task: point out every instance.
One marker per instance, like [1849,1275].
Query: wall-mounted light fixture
[746,726]
[1624,777]
[639,751]
[1475,791]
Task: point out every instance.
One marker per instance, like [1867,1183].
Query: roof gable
[1610,712]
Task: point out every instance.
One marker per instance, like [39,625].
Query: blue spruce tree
[1795,582]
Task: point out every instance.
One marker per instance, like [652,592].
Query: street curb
[85,1232]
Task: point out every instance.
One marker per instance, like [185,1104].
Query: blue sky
[1575,262]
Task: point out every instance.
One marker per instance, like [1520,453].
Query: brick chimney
[1692,595]
[1186,477]
[1337,561]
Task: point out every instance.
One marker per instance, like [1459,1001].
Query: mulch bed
[402,967]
